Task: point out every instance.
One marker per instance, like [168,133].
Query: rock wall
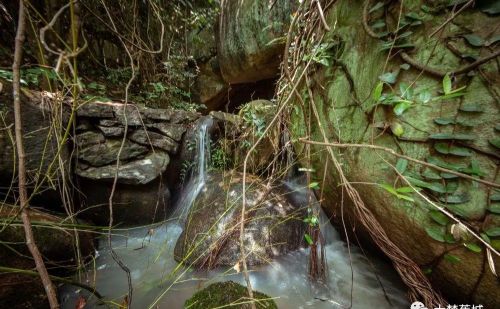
[457,132]
[153,137]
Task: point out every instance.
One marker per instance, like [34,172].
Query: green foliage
[219,159]
[400,193]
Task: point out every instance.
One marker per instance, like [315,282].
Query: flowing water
[159,281]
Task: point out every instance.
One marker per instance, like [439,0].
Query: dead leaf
[80,303]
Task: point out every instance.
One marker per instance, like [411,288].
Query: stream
[353,280]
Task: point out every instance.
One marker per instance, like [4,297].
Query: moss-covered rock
[425,131]
[225,293]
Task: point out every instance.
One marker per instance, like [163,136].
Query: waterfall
[197,180]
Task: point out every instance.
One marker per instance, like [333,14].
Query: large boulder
[251,38]
[44,118]
[458,132]
[210,237]
[210,88]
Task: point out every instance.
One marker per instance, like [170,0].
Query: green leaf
[314,185]
[495,142]
[495,243]
[474,40]
[308,239]
[376,7]
[452,258]
[473,247]
[450,166]
[455,199]
[424,96]
[401,107]
[471,108]
[443,121]
[438,217]
[495,197]
[485,237]
[436,233]
[446,84]
[405,190]
[413,15]
[452,136]
[377,92]
[497,127]
[448,175]
[389,188]
[492,41]
[389,77]
[378,24]
[446,148]
[493,232]
[397,129]
[430,174]
[401,165]
[495,208]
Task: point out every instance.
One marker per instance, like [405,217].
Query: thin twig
[23,194]
[451,18]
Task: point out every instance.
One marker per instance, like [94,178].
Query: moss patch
[225,293]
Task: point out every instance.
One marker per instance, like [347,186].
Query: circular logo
[418,305]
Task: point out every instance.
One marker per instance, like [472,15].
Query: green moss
[225,293]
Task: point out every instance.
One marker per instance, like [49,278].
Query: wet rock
[112,131]
[211,236]
[156,140]
[95,109]
[173,131]
[137,172]
[106,153]
[221,294]
[249,45]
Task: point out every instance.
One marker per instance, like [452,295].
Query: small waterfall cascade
[353,281]
[199,172]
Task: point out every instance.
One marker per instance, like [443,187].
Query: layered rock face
[273,227]
[153,137]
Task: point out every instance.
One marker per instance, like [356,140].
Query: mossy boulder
[273,227]
[251,38]
[455,132]
[226,293]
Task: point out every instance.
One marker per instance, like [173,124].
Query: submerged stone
[227,293]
